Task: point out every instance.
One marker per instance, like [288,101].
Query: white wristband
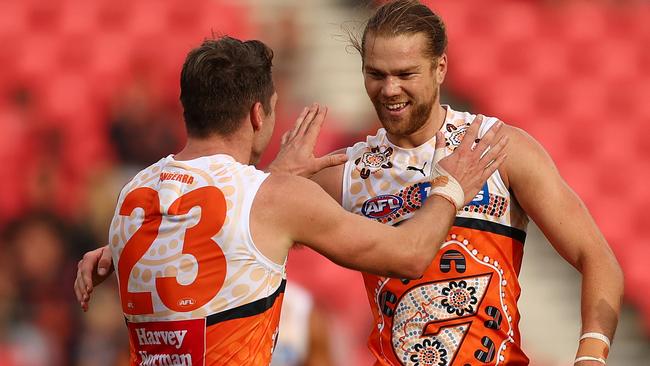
[598,336]
[589,358]
[447,186]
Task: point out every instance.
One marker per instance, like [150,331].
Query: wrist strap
[444,184]
[449,199]
[589,358]
[448,187]
[598,336]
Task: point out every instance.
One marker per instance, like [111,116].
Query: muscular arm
[306,214]
[566,222]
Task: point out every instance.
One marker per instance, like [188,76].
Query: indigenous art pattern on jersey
[194,288]
[463,311]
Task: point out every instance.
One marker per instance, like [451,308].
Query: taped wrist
[446,186]
[589,358]
[593,347]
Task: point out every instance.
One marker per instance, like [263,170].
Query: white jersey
[194,288]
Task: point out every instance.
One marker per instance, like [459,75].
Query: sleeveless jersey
[463,310]
[194,288]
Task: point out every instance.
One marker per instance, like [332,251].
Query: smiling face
[402,81]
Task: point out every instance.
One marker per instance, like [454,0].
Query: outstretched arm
[308,215]
[566,222]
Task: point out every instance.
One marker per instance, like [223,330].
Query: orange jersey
[463,310]
[194,288]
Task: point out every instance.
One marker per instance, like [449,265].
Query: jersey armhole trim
[485,126]
[246,217]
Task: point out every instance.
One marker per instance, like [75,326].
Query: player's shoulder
[280,189]
[460,118]
[371,141]
[458,121]
[518,138]
[283,200]
[145,177]
[520,141]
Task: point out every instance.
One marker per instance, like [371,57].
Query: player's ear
[441,69]
[257,116]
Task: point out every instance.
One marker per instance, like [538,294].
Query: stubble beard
[420,113]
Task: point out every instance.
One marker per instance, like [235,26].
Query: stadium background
[89,95]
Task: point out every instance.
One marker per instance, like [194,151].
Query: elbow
[414,257]
[414,272]
[419,266]
[414,264]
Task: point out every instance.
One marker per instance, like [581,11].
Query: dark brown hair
[405,17]
[221,80]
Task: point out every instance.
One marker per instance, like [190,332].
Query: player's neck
[213,145]
[425,133]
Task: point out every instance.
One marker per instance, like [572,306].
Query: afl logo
[381,206]
[186,301]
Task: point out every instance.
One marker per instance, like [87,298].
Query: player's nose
[390,87]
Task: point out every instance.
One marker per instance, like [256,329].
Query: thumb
[330,160]
[440,147]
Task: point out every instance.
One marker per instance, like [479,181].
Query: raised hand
[475,160]
[296,154]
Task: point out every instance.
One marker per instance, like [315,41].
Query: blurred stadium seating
[72,57]
[575,74]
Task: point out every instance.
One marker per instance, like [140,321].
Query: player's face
[402,82]
[264,136]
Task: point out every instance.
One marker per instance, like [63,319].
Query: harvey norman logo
[381,206]
[168,343]
[160,337]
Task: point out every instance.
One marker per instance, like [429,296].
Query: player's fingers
[301,117]
[317,122]
[492,134]
[86,271]
[285,138]
[487,172]
[440,147]
[79,281]
[471,134]
[494,151]
[79,293]
[330,160]
[80,288]
[314,128]
[313,112]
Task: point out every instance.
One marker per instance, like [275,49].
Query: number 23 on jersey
[197,241]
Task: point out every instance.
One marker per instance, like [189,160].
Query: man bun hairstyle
[405,17]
